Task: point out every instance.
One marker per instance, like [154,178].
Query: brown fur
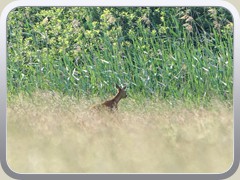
[112,104]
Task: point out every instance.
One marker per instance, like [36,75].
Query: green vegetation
[61,61]
[171,53]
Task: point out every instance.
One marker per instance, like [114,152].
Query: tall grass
[48,134]
[157,52]
[75,56]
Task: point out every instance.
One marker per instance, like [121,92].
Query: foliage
[173,53]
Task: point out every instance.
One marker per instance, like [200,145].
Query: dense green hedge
[180,53]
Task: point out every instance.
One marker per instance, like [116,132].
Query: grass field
[51,134]
[177,64]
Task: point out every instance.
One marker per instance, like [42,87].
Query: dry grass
[49,134]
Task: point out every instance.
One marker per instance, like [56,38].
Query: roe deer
[112,104]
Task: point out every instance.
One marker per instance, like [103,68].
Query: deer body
[112,104]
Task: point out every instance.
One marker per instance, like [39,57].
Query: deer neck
[117,98]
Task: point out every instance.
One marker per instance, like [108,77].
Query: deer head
[121,91]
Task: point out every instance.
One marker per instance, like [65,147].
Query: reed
[171,53]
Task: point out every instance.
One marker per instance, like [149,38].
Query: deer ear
[117,86]
[124,87]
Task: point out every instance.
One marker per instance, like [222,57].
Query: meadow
[48,134]
[177,64]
